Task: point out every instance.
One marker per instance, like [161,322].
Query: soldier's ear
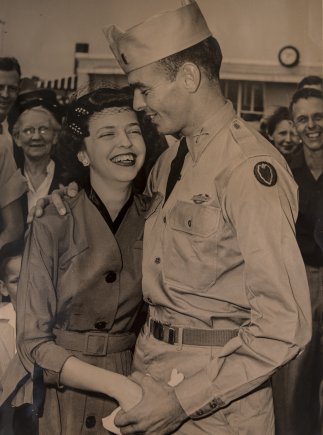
[191,76]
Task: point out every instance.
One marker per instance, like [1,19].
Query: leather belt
[94,343]
[196,337]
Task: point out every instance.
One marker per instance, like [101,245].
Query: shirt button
[100,325]
[111,277]
[236,125]
[90,421]
[157,260]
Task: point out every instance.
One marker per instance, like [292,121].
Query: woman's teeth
[124,159]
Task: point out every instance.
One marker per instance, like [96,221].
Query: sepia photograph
[161,217]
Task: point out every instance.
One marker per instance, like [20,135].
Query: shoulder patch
[265,173]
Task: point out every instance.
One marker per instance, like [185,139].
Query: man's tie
[176,167]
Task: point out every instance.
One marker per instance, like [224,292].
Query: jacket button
[90,421]
[100,325]
[111,276]
[157,260]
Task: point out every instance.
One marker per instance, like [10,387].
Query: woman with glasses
[34,122]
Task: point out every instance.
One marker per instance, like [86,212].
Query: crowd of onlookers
[30,124]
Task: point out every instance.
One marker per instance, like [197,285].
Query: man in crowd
[296,386]
[222,273]
[9,87]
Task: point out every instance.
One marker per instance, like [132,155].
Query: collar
[202,136]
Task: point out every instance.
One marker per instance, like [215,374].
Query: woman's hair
[280,114]
[75,129]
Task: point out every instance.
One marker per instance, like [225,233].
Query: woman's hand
[55,198]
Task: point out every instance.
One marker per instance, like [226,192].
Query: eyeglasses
[42,130]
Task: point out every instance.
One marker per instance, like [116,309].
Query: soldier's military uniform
[223,276]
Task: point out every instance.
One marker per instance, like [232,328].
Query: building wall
[42,33]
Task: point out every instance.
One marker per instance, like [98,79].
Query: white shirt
[34,195]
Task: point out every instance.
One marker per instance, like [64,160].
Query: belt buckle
[171,335]
[101,352]
[164,333]
[158,330]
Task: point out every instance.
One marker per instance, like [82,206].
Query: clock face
[288,56]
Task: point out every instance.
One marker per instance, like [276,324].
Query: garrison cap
[158,37]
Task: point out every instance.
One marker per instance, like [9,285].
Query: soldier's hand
[55,198]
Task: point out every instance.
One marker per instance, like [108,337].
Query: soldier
[222,273]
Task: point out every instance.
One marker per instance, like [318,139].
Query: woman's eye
[134,132]
[106,135]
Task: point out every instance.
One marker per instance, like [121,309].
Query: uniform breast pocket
[190,248]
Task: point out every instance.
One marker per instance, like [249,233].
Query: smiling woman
[282,133]
[79,295]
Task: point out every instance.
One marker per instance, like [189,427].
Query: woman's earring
[85,162]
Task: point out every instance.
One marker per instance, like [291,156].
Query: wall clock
[288,56]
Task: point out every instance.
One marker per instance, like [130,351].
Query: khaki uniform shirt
[221,254]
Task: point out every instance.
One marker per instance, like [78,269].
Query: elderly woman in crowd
[34,122]
[281,132]
[79,295]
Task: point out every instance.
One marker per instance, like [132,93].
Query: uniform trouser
[252,414]
[297,387]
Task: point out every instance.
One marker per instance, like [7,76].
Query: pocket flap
[194,219]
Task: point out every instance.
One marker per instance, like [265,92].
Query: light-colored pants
[251,415]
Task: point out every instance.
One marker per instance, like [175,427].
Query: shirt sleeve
[37,303]
[262,216]
[12,184]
